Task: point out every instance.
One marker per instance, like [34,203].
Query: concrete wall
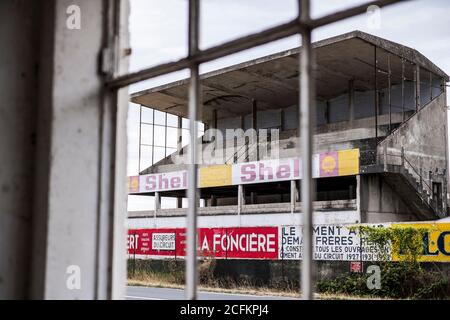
[60,130]
[380,203]
[248,220]
[18,84]
[424,139]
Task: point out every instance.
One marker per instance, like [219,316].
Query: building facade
[380,140]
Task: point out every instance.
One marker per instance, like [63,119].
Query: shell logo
[328,164]
[133,184]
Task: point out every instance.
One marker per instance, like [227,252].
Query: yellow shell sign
[215,176]
[328,164]
[348,162]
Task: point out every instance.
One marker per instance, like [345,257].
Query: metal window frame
[167,149]
[302,25]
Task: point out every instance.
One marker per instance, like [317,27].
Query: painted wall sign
[239,243]
[436,241]
[331,243]
[163,241]
[330,164]
[221,243]
[176,180]
[356,267]
[215,176]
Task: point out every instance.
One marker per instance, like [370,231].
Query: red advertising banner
[224,243]
[156,242]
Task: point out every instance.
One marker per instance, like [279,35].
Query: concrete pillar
[253,197]
[403,156]
[359,198]
[63,142]
[179,135]
[213,201]
[351,100]
[157,205]
[351,191]
[179,202]
[255,125]
[214,119]
[294,195]
[417,86]
[241,198]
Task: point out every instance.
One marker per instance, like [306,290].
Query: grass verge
[157,282]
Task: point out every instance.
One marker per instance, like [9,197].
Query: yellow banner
[436,242]
[215,176]
[348,162]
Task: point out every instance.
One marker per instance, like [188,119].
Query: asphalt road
[151,293]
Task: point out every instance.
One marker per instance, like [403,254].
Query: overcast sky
[159,34]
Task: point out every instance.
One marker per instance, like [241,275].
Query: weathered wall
[18,83]
[424,139]
[56,222]
[247,220]
[380,203]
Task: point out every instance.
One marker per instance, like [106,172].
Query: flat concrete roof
[273,80]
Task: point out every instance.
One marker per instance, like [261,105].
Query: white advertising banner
[163,241]
[176,180]
[325,164]
[330,243]
[271,170]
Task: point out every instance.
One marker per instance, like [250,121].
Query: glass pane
[146,134]
[147,115]
[185,137]
[160,117]
[172,137]
[159,154]
[436,85]
[425,88]
[160,136]
[185,123]
[321,8]
[172,120]
[165,23]
[247,17]
[146,157]
[169,151]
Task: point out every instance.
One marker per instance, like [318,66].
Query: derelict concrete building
[380,139]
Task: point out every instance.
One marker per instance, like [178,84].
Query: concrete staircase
[409,185]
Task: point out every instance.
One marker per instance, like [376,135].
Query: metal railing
[244,150]
[422,183]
